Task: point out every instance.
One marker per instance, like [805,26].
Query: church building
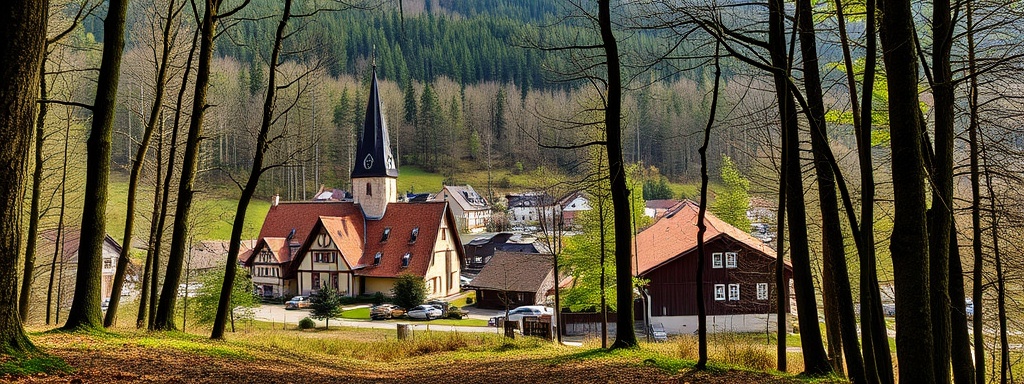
[359,246]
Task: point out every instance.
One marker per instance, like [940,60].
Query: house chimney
[276,199]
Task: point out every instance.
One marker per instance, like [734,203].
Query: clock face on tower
[368,161]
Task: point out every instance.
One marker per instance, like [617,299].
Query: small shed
[513,279]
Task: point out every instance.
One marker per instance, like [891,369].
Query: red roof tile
[302,216]
[402,218]
[676,234]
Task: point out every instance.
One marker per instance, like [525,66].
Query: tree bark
[149,269]
[21,40]
[837,290]
[702,316]
[179,239]
[140,160]
[940,216]
[960,346]
[625,337]
[224,304]
[978,291]
[37,180]
[815,358]
[85,308]
[909,244]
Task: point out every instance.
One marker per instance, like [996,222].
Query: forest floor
[366,356]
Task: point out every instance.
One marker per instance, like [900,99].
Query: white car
[520,312]
[428,312]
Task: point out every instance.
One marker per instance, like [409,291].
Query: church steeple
[374,174]
[373,155]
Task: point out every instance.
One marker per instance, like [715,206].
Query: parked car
[297,302]
[518,313]
[385,311]
[428,312]
[439,304]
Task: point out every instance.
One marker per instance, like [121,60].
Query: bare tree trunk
[85,307]
[960,347]
[149,269]
[604,257]
[22,42]
[978,293]
[702,228]
[909,244]
[37,180]
[179,238]
[815,359]
[224,304]
[940,216]
[837,290]
[625,337]
[158,237]
[59,244]
[140,160]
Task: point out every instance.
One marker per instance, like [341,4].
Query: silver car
[428,312]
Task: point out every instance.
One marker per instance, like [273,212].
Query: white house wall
[687,325]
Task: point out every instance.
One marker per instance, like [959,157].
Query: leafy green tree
[208,295]
[731,202]
[657,189]
[582,256]
[409,291]
[326,303]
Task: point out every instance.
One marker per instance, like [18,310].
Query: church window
[369,190]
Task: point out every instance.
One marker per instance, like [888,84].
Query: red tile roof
[278,247]
[402,218]
[359,240]
[676,234]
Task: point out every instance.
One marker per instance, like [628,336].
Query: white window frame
[719,292]
[731,296]
[731,259]
[716,260]
[762,291]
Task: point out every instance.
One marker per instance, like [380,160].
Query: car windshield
[297,298]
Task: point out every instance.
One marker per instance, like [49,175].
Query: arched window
[369,190]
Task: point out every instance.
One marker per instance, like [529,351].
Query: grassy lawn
[356,313]
[258,353]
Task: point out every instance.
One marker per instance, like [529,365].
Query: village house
[359,246]
[530,207]
[570,206]
[739,274]
[472,212]
[69,254]
[513,279]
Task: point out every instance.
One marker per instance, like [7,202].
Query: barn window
[730,259]
[719,292]
[716,260]
[376,259]
[734,292]
[762,291]
[405,260]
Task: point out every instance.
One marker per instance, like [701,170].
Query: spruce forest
[578,191]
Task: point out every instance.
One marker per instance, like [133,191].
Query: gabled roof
[529,199]
[373,153]
[278,247]
[70,239]
[676,234]
[465,196]
[301,216]
[346,234]
[402,218]
[516,272]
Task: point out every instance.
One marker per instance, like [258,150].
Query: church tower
[374,176]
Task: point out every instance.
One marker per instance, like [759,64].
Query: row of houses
[738,279]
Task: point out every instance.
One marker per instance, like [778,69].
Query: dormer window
[415,233]
[376,259]
[405,260]
[387,232]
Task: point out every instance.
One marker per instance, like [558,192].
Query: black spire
[373,155]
